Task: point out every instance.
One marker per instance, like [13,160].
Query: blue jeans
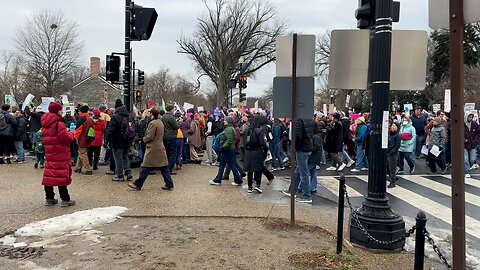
[20,150]
[301,173]
[470,157]
[312,169]
[277,157]
[408,156]
[418,145]
[361,157]
[167,178]
[228,157]
[344,156]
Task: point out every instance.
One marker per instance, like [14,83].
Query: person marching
[58,167]
[155,154]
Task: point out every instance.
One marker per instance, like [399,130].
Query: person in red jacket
[99,127]
[84,123]
[58,166]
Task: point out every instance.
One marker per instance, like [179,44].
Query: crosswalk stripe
[468,181]
[441,188]
[331,183]
[435,209]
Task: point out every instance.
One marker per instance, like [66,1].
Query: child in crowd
[39,151]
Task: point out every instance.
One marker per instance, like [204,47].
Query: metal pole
[458,144]
[420,241]
[128,57]
[293,152]
[341,205]
[376,214]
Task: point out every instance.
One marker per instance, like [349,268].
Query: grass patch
[326,260]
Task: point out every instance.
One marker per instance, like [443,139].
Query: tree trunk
[221,90]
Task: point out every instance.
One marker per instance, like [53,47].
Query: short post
[341,205]
[420,241]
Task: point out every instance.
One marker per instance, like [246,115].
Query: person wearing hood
[8,125]
[437,138]
[99,127]
[392,153]
[472,137]
[119,143]
[195,139]
[58,166]
[408,139]
[83,125]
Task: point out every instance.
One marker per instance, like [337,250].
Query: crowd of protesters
[242,144]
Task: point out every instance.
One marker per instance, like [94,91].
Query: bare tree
[231,30]
[49,46]
[322,54]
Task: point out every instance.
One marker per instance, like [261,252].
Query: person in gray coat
[8,124]
[437,138]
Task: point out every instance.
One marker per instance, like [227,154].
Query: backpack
[217,147]
[367,132]
[3,121]
[128,128]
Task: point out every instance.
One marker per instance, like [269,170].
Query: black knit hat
[118,103]
[84,109]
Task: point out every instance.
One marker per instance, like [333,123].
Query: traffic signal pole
[128,58]
[376,215]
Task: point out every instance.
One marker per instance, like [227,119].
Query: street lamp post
[376,216]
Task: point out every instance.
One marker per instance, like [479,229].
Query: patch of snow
[135,226]
[70,223]
[8,240]
[33,266]
[21,244]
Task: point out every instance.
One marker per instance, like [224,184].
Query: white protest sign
[187,106]
[347,102]
[200,108]
[385,124]
[436,107]
[407,108]
[256,105]
[9,99]
[163,104]
[325,109]
[469,107]
[447,106]
[64,99]
[45,102]
[27,101]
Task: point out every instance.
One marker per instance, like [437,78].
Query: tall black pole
[458,143]
[376,215]
[128,57]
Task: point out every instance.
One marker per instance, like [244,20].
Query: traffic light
[242,97]
[242,82]
[365,14]
[141,77]
[113,68]
[138,95]
[142,22]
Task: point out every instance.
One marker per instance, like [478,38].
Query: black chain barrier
[386,243]
[436,249]
[21,252]
[409,233]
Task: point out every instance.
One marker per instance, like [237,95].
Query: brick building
[92,90]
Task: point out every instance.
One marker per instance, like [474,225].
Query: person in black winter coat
[392,153]
[334,142]
[20,135]
[8,124]
[315,158]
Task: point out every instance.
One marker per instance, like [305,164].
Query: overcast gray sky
[102,27]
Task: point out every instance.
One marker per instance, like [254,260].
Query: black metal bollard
[420,241]
[341,202]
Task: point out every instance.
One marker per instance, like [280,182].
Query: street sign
[438,15]
[350,53]
[305,56]
[282,97]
